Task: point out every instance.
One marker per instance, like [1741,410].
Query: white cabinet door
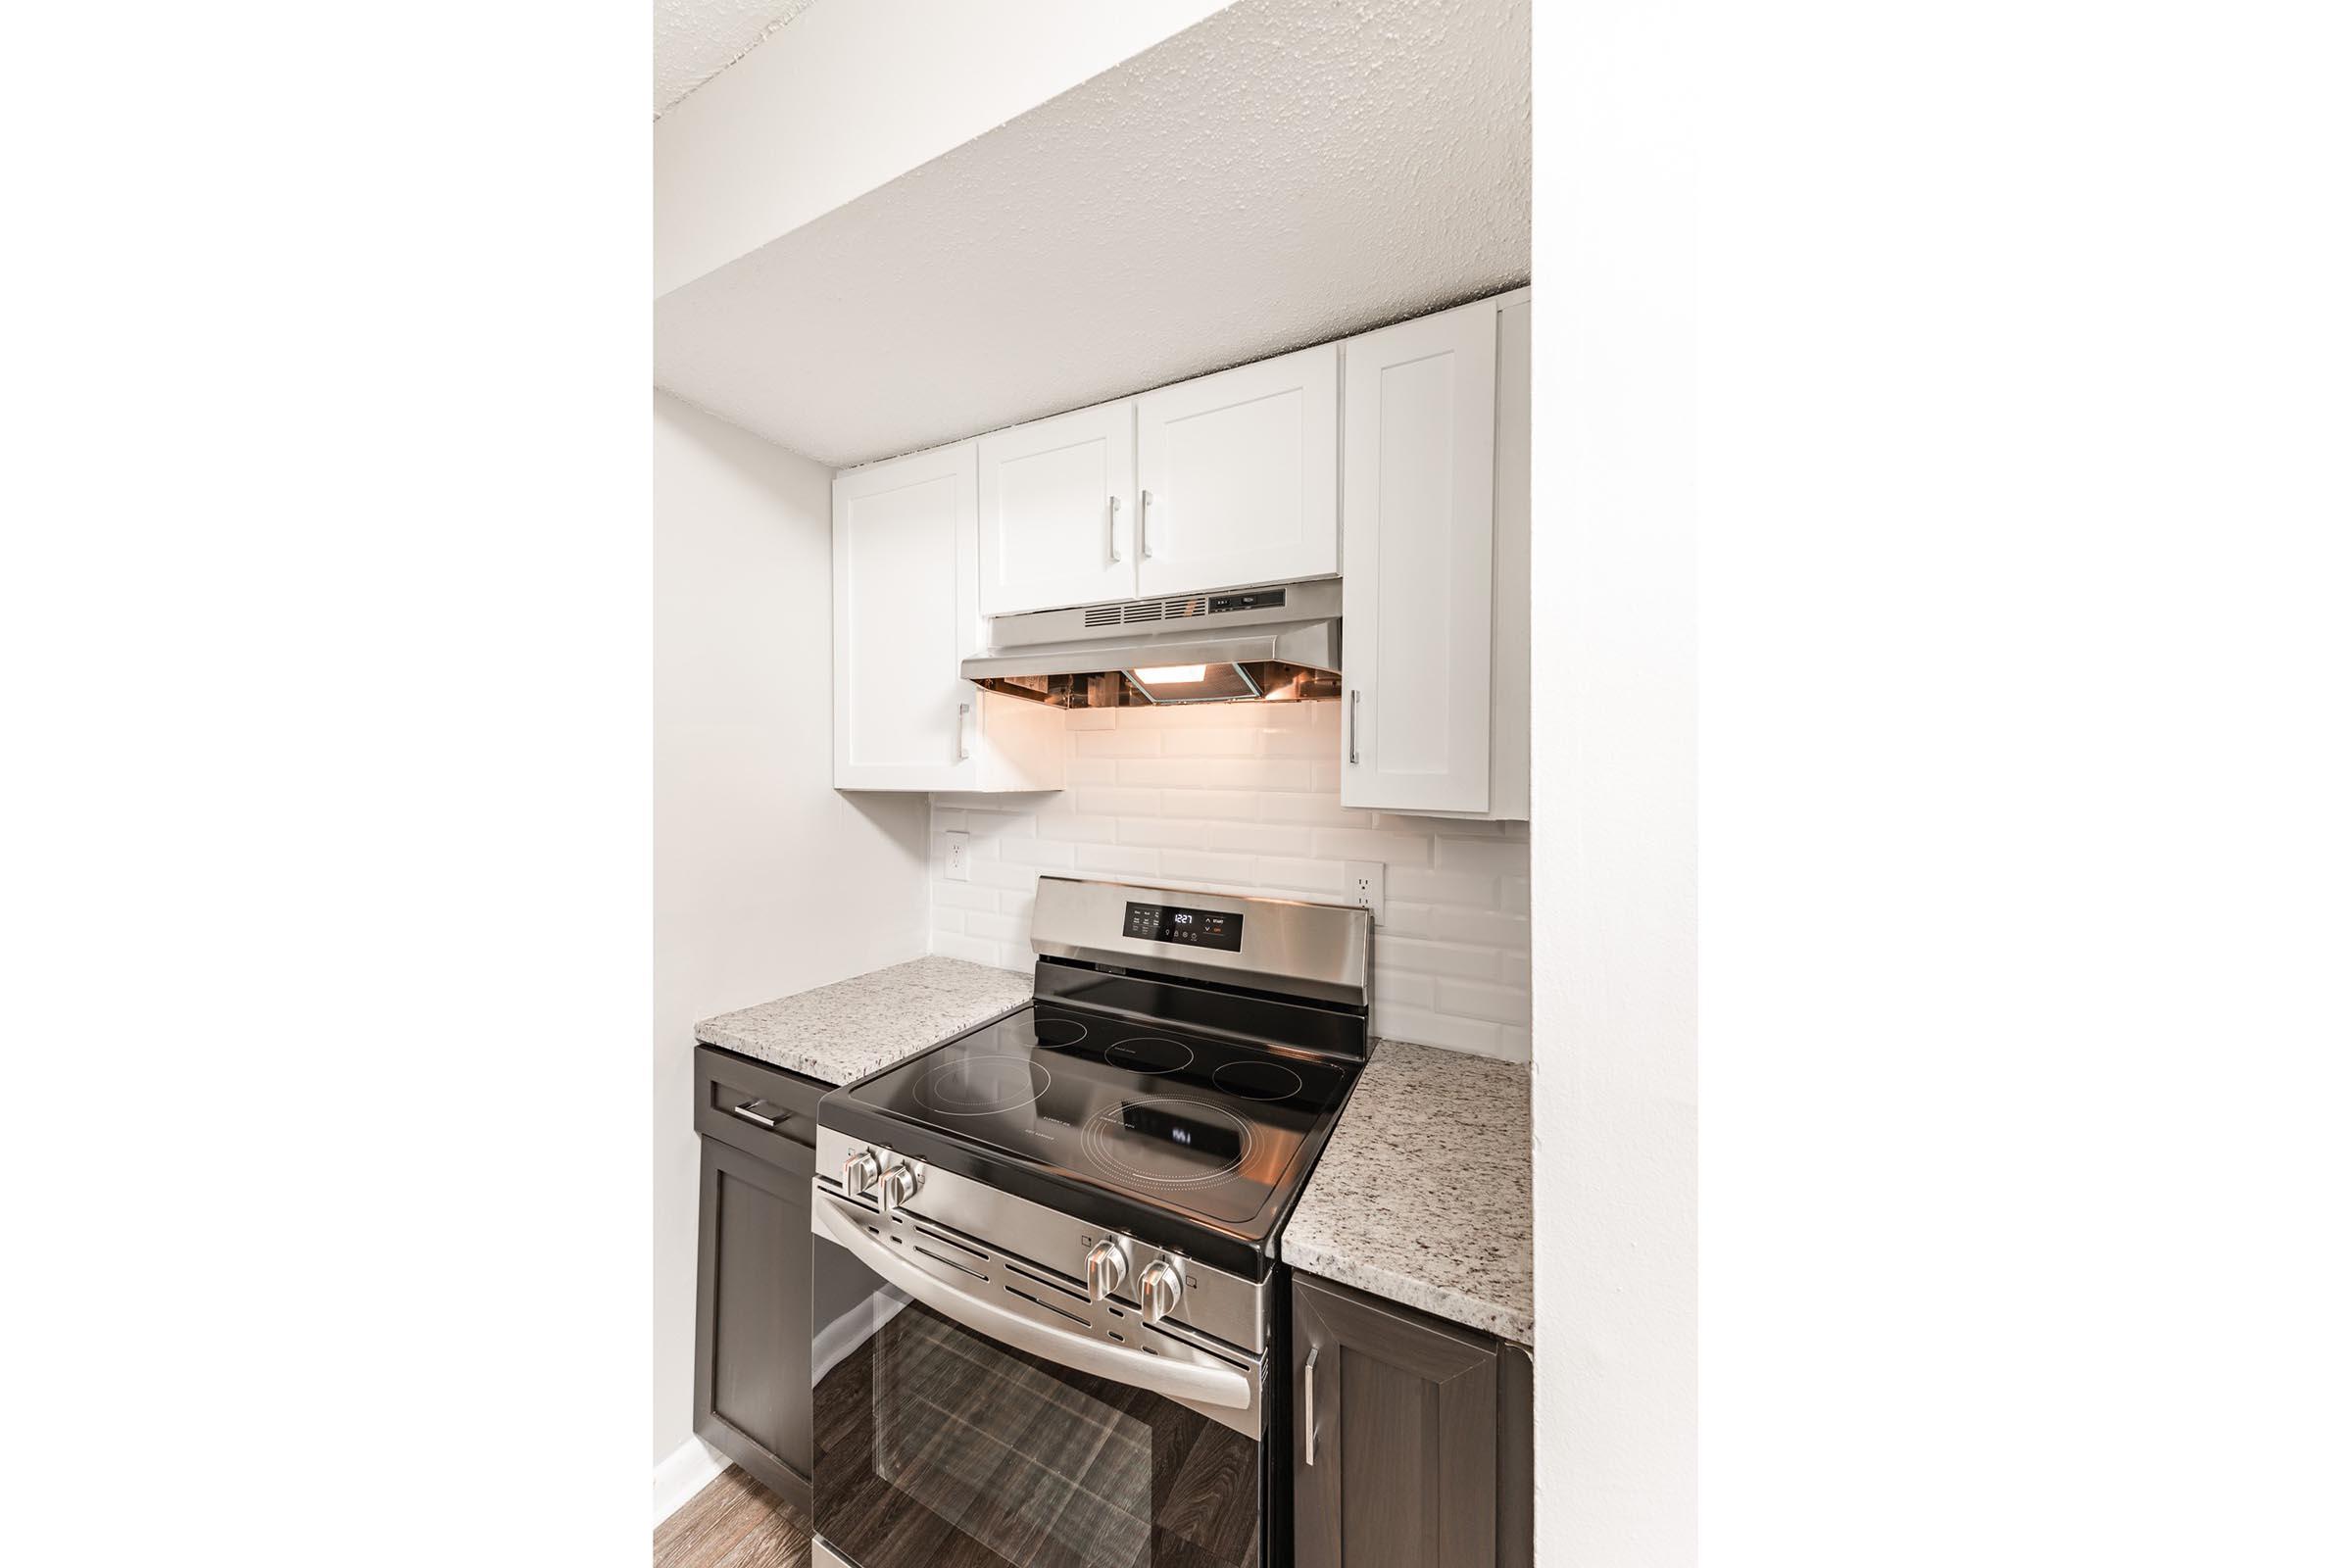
[901,531]
[1057,512]
[1240,476]
[1419,597]
[905,614]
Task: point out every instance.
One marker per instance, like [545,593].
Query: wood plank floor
[734,1522]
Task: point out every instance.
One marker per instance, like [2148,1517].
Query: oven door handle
[1225,1386]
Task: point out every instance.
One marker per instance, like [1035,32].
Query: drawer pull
[756,1112]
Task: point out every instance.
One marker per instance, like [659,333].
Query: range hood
[1279,643]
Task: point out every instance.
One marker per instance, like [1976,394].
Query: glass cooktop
[1202,1125]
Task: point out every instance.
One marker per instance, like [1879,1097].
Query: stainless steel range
[1049,1328]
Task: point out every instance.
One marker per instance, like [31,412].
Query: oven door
[972,1412]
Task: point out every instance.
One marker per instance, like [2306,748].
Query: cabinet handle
[1145,529]
[1113,531]
[963,746]
[1311,1353]
[1355,700]
[748,1112]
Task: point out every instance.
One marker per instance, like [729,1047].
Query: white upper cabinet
[905,616]
[1425,644]
[1239,474]
[1057,512]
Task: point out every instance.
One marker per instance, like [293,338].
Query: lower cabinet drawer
[759,1109]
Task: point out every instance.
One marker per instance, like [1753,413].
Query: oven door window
[939,1447]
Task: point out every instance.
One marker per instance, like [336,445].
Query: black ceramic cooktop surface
[1207,1127]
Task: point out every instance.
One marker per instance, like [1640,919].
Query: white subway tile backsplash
[1461,961]
[998,927]
[1501,1004]
[1046,852]
[1482,856]
[1234,804]
[1197,865]
[1270,773]
[1118,803]
[1458,923]
[1161,834]
[1395,988]
[949,945]
[1254,838]
[1071,828]
[1245,798]
[1185,772]
[1326,877]
[1320,811]
[1212,743]
[1306,743]
[1449,1031]
[1120,860]
[1442,887]
[1114,743]
[999,874]
[1360,844]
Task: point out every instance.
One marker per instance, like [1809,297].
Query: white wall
[850,96]
[765,880]
[1243,798]
[1612,863]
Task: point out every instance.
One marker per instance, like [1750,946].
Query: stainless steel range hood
[1279,643]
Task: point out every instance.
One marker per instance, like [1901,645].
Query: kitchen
[1937,673]
[1091,840]
[1089,1124]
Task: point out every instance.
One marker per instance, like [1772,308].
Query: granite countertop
[1422,1194]
[841,1032]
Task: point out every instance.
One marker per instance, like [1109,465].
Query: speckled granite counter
[842,1031]
[1422,1194]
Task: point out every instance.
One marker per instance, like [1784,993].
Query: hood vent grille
[1139,610]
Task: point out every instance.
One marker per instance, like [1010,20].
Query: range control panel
[1188,928]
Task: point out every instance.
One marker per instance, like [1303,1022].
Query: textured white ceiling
[695,40]
[1284,173]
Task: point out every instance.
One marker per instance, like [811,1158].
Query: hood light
[1193,683]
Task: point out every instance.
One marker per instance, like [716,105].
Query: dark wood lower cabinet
[752,1267]
[1412,1446]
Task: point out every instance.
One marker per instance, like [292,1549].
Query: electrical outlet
[959,854]
[1368,888]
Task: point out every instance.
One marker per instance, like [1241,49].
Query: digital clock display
[1188,928]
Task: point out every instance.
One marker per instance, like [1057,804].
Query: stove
[1211,1130]
[1048,1248]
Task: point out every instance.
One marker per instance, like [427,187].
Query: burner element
[1150,1053]
[979,1085]
[1169,1143]
[1257,1080]
[1055,1032]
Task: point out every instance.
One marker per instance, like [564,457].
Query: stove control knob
[1105,1268]
[898,1184]
[1161,1288]
[859,1172]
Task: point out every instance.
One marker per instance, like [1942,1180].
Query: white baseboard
[693,1465]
